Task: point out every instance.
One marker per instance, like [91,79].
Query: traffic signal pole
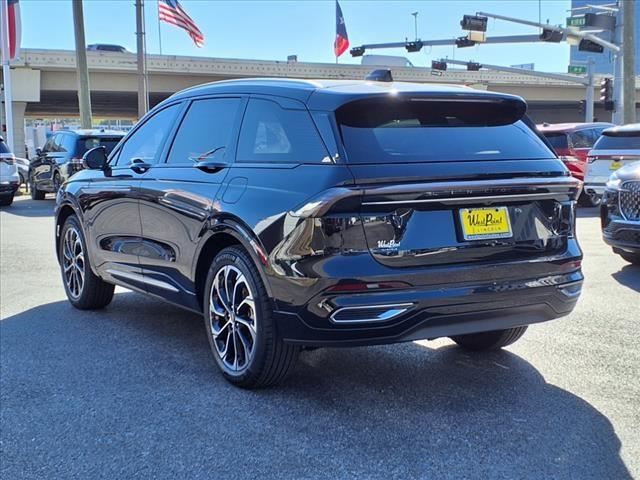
[629,61]
[84,98]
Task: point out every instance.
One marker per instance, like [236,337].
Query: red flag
[341,43]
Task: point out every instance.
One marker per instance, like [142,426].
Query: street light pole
[415,22]
[82,71]
[618,74]
[6,73]
[143,96]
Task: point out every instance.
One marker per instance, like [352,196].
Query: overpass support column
[18,128]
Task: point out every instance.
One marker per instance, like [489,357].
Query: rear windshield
[606,142]
[557,140]
[87,143]
[420,130]
[3,147]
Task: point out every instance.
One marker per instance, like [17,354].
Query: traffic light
[581,107]
[548,35]
[462,42]
[473,66]
[589,46]
[438,65]
[475,23]
[357,51]
[413,46]
[606,94]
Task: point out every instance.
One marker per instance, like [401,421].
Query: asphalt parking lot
[131,391]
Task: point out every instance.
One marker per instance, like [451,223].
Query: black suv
[299,214]
[61,157]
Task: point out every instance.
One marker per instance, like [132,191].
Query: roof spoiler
[379,75]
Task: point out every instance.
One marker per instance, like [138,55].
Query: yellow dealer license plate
[615,165]
[485,223]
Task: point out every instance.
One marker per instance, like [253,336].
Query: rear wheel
[84,289]
[489,340]
[238,318]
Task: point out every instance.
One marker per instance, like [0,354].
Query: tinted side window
[3,147]
[146,142]
[271,133]
[206,128]
[67,143]
[582,139]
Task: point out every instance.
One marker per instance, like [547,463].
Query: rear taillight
[8,160]
[569,159]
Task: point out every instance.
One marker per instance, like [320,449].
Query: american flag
[171,11]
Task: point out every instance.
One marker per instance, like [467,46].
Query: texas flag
[342,40]
[13,20]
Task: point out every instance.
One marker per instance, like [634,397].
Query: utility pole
[6,73]
[143,96]
[629,61]
[84,98]
[588,107]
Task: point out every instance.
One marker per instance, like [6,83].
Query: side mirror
[95,159]
[38,151]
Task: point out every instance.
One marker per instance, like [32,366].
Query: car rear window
[401,130]
[87,143]
[607,142]
[557,140]
[4,148]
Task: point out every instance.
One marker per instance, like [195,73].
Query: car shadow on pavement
[629,276]
[27,207]
[132,390]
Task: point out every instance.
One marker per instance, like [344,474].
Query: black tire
[6,200]
[633,258]
[489,340]
[35,193]
[585,200]
[270,359]
[56,182]
[94,293]
[22,180]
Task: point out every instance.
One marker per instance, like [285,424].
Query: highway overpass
[45,82]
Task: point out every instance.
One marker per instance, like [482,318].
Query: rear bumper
[9,187]
[441,312]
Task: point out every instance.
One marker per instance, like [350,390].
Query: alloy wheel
[73,262]
[232,318]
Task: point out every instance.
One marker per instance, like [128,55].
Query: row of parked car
[54,163]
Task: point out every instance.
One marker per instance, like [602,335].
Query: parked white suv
[9,178]
[616,147]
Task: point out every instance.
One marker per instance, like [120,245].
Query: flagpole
[6,71]
[159,30]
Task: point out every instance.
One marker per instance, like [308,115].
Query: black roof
[330,94]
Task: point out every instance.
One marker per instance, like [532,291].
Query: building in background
[603,61]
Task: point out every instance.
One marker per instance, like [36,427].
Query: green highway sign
[577,69]
[579,21]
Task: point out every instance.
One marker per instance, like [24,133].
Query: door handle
[138,165]
[211,166]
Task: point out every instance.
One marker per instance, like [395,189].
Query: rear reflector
[364,287]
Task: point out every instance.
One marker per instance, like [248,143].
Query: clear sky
[271,30]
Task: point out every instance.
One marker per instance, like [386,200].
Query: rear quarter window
[272,134]
[84,144]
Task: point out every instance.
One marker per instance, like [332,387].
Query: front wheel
[35,193]
[633,258]
[242,334]
[489,340]
[84,289]
[586,200]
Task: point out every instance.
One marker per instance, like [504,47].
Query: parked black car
[309,213]
[61,157]
[620,213]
